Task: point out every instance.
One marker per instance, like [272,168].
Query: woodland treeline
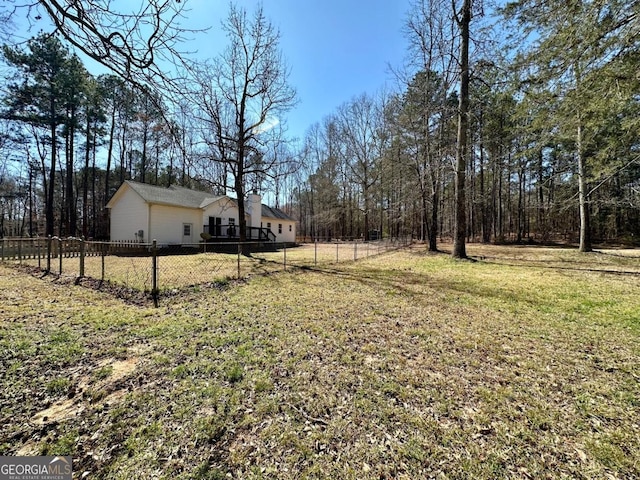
[552,150]
[553,126]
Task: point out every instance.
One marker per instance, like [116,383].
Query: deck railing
[232,232]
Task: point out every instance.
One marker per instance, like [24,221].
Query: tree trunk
[239,188]
[30,197]
[143,160]
[459,247]
[85,180]
[110,153]
[49,212]
[433,231]
[520,216]
[585,228]
[541,227]
[94,205]
[424,217]
[484,227]
[72,217]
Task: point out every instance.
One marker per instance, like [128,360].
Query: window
[289,227]
[232,221]
[269,225]
[186,229]
[279,228]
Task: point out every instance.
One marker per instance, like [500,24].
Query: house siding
[223,208]
[286,236]
[129,215]
[167,222]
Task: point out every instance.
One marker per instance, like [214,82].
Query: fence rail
[153,268]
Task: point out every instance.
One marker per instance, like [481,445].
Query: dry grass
[523,364]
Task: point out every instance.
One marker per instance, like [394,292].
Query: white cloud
[268,124]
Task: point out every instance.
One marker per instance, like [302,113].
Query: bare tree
[430,31]
[242,95]
[283,162]
[132,42]
[361,123]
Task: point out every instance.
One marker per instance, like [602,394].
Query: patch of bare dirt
[85,390]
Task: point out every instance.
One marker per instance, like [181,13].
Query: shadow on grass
[421,287]
[541,264]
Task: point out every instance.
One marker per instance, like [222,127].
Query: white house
[177,216]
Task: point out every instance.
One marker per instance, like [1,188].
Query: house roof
[174,195]
[185,197]
[271,212]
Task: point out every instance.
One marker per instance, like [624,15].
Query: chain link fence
[154,268]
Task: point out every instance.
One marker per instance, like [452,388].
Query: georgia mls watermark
[35,468]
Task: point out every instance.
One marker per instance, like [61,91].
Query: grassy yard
[522,364]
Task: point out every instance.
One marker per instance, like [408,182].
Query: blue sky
[336,49]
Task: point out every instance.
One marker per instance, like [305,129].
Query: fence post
[60,254]
[82,251]
[285,255]
[355,250]
[2,248]
[154,272]
[20,251]
[337,244]
[315,253]
[39,253]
